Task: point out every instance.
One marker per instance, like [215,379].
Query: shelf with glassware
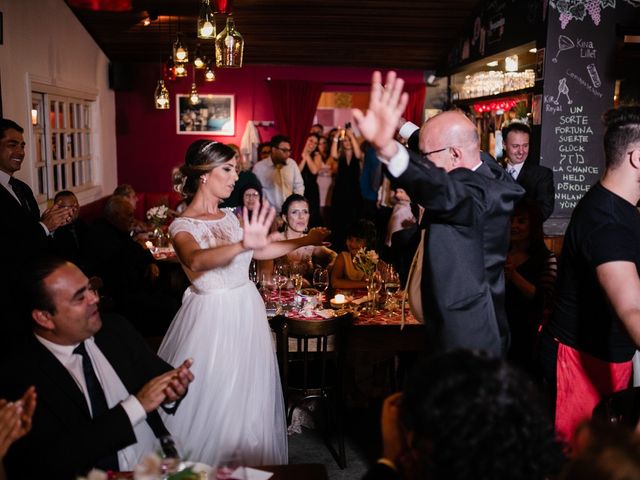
[496,91]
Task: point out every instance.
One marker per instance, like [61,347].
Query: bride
[235,405]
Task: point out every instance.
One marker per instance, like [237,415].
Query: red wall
[147,144]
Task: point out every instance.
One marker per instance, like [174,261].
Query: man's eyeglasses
[426,154]
[251,194]
[285,150]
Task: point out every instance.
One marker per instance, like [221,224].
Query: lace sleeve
[196,229]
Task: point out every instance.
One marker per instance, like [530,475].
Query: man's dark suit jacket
[65,441]
[21,238]
[538,183]
[467,218]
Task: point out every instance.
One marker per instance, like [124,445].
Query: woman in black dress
[346,204]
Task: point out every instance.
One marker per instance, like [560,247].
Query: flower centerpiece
[157,216]
[366,261]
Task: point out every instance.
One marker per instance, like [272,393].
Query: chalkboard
[578,89]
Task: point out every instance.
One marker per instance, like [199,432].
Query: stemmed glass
[253,271]
[321,281]
[280,278]
[376,282]
[391,286]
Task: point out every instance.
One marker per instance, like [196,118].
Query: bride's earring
[203,180]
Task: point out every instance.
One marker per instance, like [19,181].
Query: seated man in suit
[70,241]
[535,179]
[98,384]
[128,271]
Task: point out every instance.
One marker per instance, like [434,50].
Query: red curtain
[294,105]
[108,5]
[415,108]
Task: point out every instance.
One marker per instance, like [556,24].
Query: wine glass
[280,278]
[253,271]
[320,281]
[376,283]
[391,286]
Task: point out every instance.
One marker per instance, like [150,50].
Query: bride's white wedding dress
[235,404]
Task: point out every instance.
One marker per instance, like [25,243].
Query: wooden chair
[314,370]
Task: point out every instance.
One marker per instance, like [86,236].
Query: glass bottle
[229,46]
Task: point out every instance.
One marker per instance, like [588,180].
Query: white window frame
[77,138]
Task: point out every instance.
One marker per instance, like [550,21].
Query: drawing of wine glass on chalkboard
[563,89]
[564,43]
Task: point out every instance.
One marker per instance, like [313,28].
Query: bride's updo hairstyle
[202,156]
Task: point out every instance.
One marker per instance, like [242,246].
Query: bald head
[456,135]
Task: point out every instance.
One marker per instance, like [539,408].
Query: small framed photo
[212,115]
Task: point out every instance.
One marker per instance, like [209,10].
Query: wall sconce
[34,116]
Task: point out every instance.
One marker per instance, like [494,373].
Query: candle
[148,244]
[339,298]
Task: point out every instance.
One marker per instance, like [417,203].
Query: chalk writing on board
[593,75]
[563,89]
[584,83]
[587,50]
[564,43]
[573,174]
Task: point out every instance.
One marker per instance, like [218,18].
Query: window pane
[52,114]
[63,176]
[56,185]
[61,145]
[41,182]
[61,123]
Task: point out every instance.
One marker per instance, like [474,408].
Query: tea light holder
[338,301]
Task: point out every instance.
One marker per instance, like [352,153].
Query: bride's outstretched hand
[387,103]
[317,234]
[256,226]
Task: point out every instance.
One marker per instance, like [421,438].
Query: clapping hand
[256,226]
[168,387]
[15,419]
[57,216]
[386,106]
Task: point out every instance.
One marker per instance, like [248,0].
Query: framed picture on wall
[212,115]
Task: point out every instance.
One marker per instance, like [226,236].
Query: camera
[347,125]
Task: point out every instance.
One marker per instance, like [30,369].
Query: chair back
[310,353]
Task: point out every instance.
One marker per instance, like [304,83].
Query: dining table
[380,329]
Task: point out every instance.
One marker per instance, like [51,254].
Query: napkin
[360,300]
[250,474]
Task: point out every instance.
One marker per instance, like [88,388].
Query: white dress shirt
[279,182]
[515,167]
[4,181]
[114,391]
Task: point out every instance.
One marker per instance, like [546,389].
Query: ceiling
[414,34]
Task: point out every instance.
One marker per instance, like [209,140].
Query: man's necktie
[513,172]
[18,189]
[98,402]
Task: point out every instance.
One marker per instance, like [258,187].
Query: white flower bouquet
[366,261]
[158,215]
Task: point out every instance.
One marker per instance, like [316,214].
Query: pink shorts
[581,382]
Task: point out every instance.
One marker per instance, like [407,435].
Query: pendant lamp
[229,46]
